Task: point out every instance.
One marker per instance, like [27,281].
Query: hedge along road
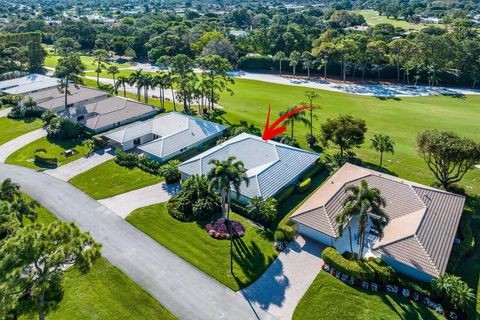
[181,288]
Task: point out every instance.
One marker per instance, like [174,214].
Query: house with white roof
[271,166]
[419,236]
[27,84]
[166,136]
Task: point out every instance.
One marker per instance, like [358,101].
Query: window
[183,149]
[136,142]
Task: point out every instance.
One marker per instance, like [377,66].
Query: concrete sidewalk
[281,287]
[4,112]
[70,170]
[11,146]
[125,203]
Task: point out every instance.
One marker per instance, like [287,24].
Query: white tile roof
[175,131]
[270,165]
[30,83]
[423,220]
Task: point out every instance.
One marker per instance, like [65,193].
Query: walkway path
[281,287]
[360,89]
[70,170]
[11,146]
[5,112]
[125,203]
[183,289]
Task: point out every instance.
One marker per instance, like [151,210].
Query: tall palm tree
[311,96]
[343,220]
[122,81]
[226,175]
[296,117]
[134,79]
[9,190]
[382,143]
[145,82]
[367,204]
[160,80]
[113,70]
[100,60]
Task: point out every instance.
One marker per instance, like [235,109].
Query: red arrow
[271,131]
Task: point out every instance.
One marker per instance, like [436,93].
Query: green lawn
[109,179]
[24,156]
[104,74]
[51,61]
[252,254]
[103,293]
[329,298]
[372,18]
[11,129]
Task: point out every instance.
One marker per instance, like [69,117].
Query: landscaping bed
[252,254]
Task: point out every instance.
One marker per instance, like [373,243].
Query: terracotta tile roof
[423,220]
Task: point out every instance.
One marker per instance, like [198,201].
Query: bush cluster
[63,129]
[353,268]
[285,193]
[43,159]
[304,185]
[131,160]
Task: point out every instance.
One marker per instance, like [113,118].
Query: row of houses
[423,224]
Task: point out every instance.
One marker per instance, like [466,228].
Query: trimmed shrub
[304,185]
[356,269]
[279,236]
[48,116]
[16,113]
[288,231]
[43,159]
[313,171]
[285,193]
[126,159]
[422,288]
[238,208]
[148,165]
[174,209]
[383,272]
[99,143]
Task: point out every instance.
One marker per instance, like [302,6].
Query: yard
[333,299]
[103,293]
[52,59]
[372,18]
[109,179]
[11,129]
[252,254]
[24,156]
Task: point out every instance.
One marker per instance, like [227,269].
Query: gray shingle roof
[53,99]
[270,165]
[27,84]
[423,220]
[108,112]
[175,131]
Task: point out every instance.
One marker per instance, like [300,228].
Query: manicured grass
[372,18]
[24,156]
[329,298]
[103,293]
[11,129]
[51,61]
[252,254]
[109,179]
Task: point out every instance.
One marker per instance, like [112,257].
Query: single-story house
[107,114]
[417,240]
[27,84]
[54,100]
[271,166]
[166,136]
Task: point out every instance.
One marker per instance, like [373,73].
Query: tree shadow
[376,167]
[384,98]
[250,259]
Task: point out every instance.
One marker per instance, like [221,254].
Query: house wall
[315,234]
[407,270]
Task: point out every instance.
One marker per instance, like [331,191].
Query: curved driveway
[183,289]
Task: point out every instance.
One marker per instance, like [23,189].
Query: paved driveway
[281,287]
[125,203]
[4,112]
[11,146]
[183,289]
[70,170]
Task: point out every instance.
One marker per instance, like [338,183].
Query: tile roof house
[109,113]
[270,165]
[54,100]
[423,222]
[27,84]
[166,136]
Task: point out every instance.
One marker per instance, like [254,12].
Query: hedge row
[131,160]
[41,158]
[356,269]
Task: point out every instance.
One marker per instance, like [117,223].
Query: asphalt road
[183,289]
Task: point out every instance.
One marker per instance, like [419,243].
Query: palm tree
[122,81]
[145,82]
[311,96]
[226,175]
[296,117]
[367,204]
[170,171]
[280,56]
[134,79]
[382,143]
[454,290]
[9,190]
[160,80]
[100,58]
[343,220]
[113,70]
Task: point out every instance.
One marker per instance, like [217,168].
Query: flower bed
[219,230]
[405,292]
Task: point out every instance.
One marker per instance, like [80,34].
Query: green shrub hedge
[356,269]
[288,231]
[304,185]
[285,193]
[313,171]
[43,159]
[279,236]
